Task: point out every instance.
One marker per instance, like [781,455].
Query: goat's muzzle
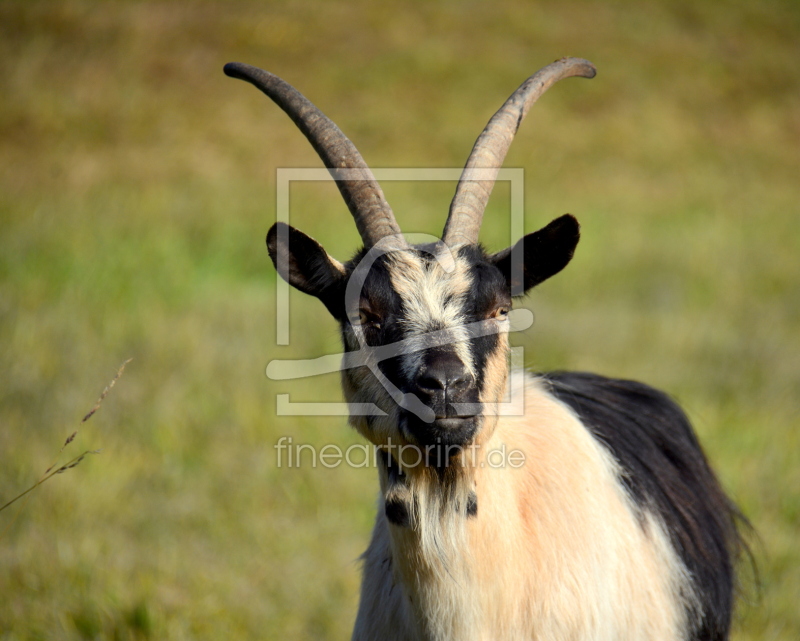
[444,384]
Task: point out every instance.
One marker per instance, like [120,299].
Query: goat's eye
[367,319]
[501,313]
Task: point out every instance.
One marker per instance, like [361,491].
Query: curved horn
[476,182]
[360,190]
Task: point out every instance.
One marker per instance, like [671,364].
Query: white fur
[433,298]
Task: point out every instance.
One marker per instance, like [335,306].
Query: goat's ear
[538,256]
[303,263]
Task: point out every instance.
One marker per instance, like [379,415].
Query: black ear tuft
[539,255]
[303,263]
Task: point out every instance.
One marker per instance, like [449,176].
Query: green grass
[137,183]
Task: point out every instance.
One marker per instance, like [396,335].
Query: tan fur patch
[495,384]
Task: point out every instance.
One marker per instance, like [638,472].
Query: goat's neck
[430,513]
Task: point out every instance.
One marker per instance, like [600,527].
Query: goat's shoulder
[666,473]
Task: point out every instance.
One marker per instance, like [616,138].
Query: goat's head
[432,320]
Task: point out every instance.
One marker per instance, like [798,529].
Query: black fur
[539,255]
[489,289]
[472,504]
[666,472]
[397,512]
[395,507]
[304,264]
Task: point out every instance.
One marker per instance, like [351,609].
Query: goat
[614,527]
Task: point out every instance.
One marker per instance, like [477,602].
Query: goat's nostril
[461,380]
[432,381]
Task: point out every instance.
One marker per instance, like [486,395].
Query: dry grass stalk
[73,462]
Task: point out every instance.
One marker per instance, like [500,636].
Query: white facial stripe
[433,299]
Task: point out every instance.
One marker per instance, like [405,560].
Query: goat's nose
[443,373]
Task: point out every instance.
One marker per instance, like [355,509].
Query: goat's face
[428,322]
[431,325]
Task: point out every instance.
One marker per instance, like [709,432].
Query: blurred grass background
[137,184]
